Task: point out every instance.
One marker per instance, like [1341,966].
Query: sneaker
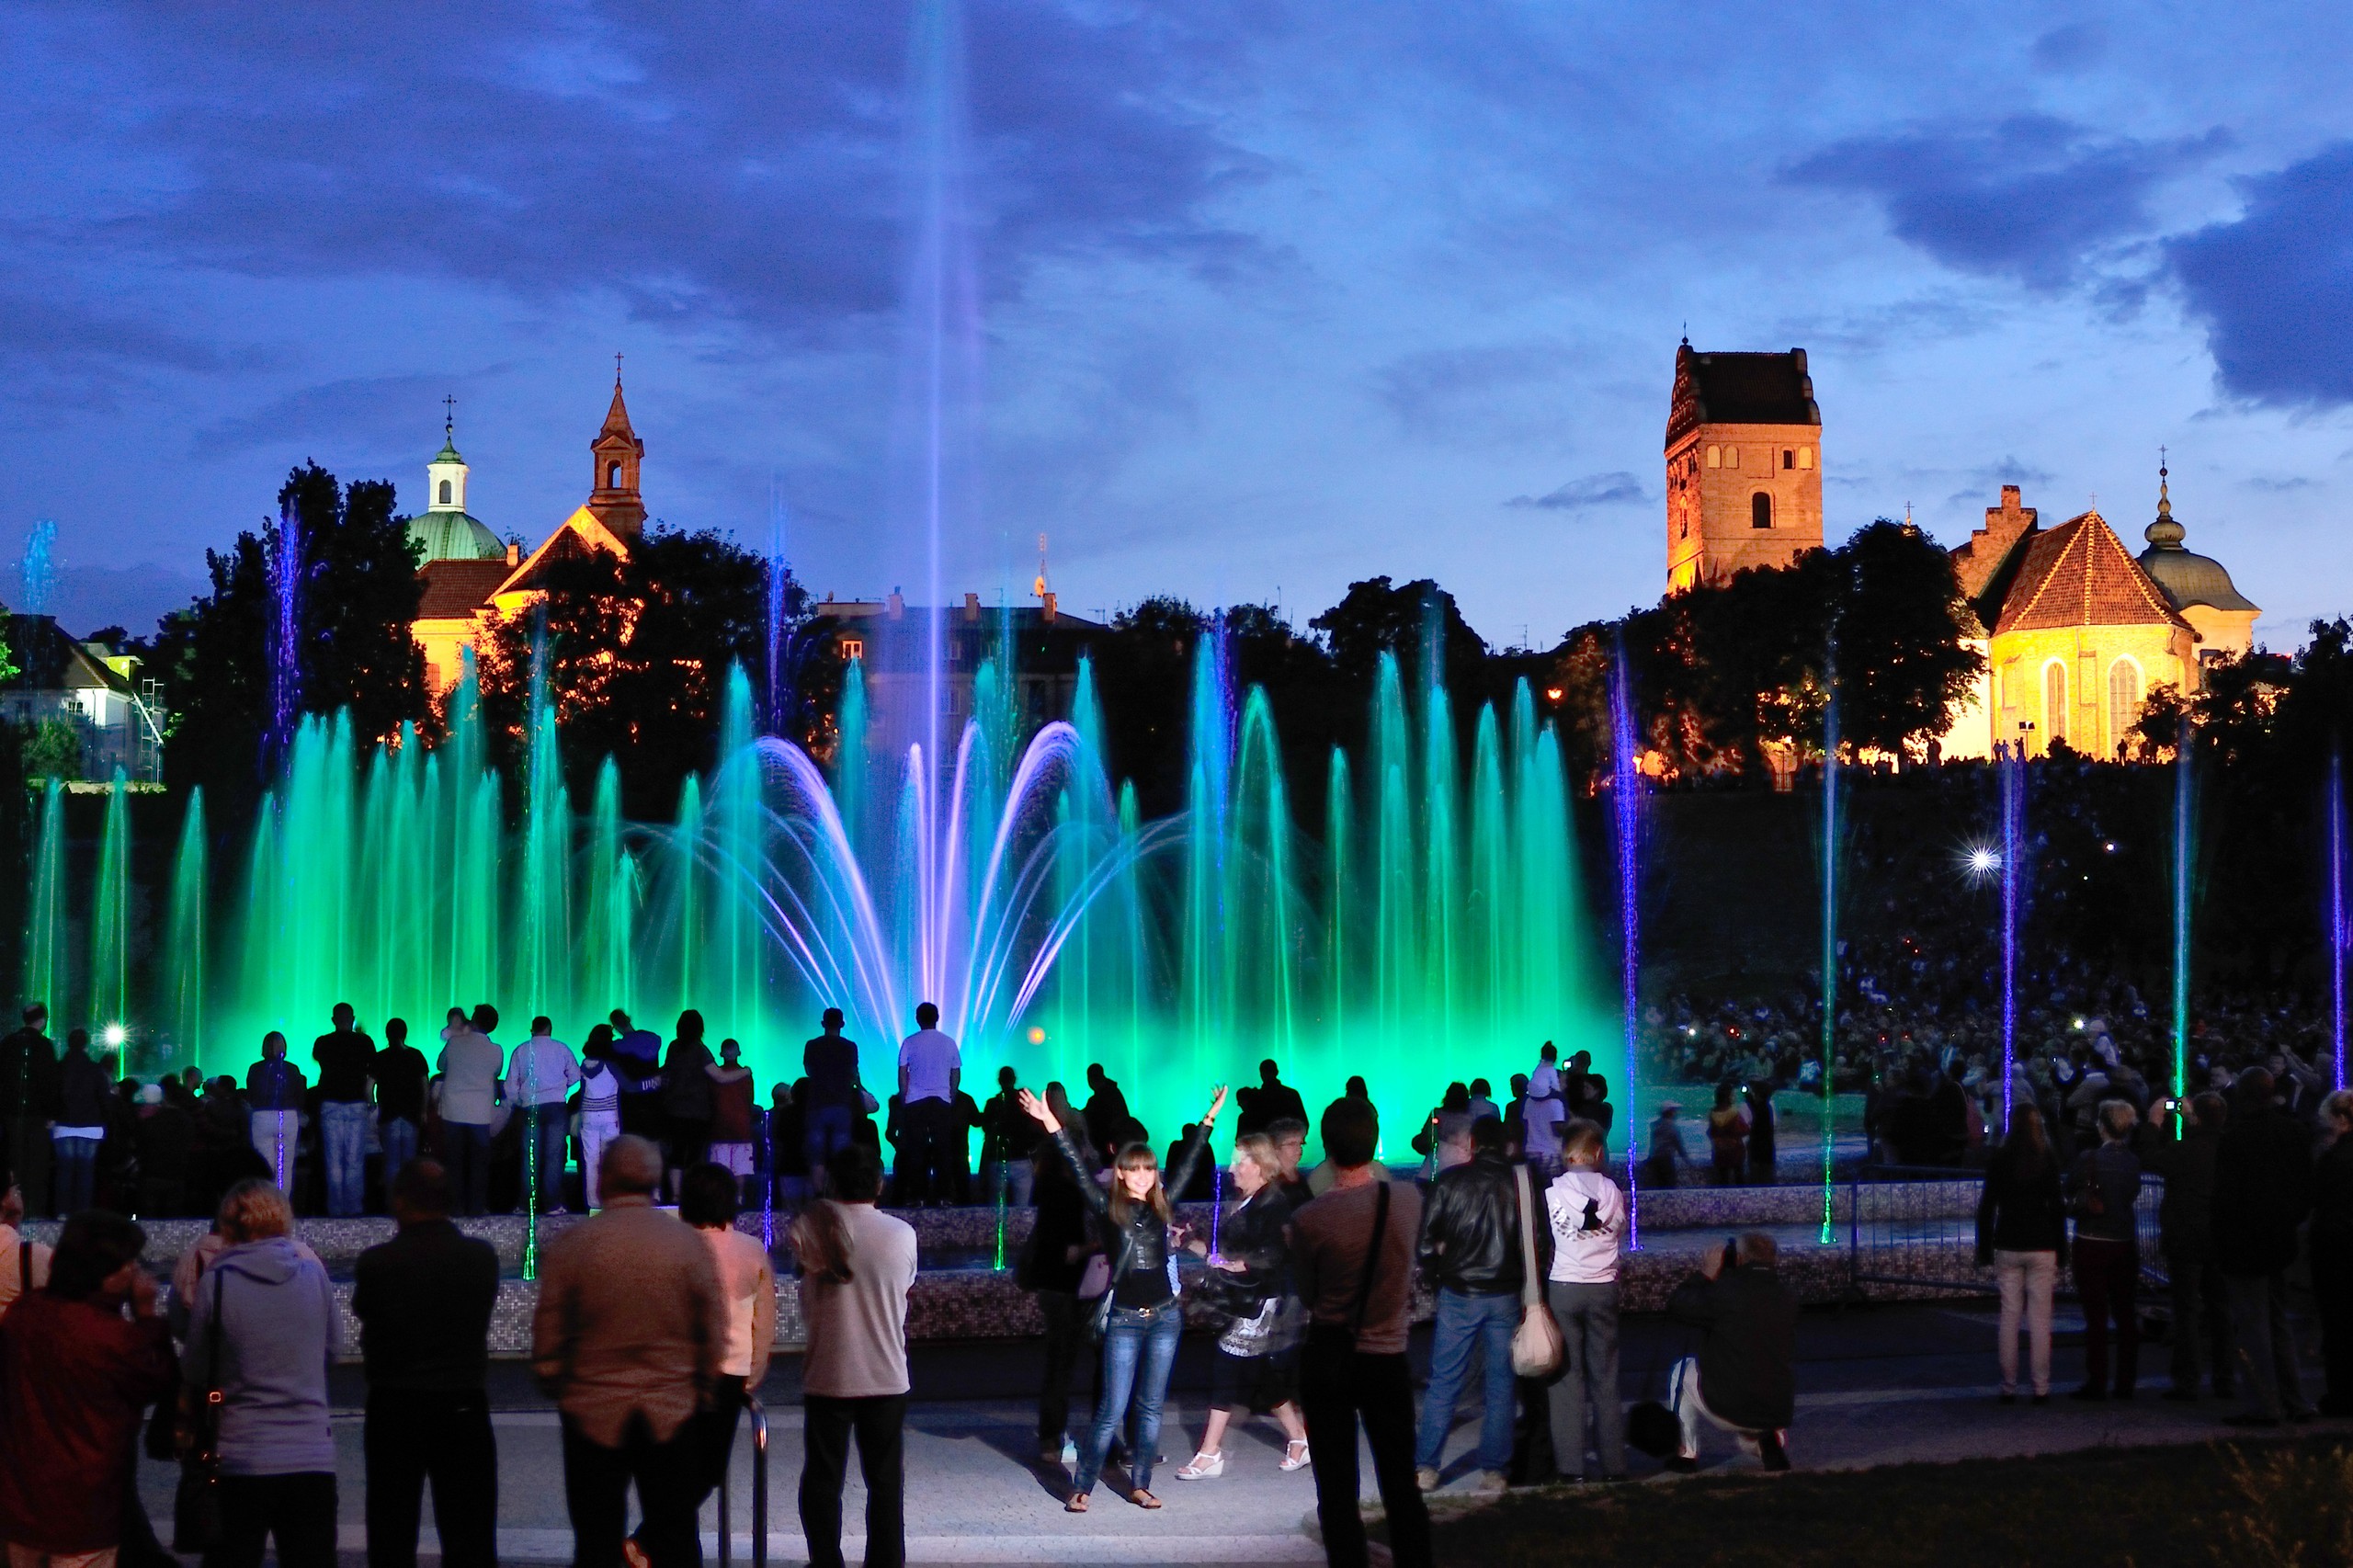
[1772,1450]
[1491,1482]
[1425,1477]
[1204,1467]
[1680,1465]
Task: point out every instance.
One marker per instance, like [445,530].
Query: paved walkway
[1878,1385]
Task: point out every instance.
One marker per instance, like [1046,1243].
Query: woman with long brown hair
[1140,1314]
[2022,1235]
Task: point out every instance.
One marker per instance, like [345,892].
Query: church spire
[2164,533]
[613,494]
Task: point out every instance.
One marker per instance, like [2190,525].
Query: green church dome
[455,536]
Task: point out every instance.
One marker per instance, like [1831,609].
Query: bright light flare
[1983,860]
[114,1035]
[1037,1035]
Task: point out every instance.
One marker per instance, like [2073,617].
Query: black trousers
[1065,1318]
[2333,1283]
[413,1436]
[1339,1389]
[2201,1319]
[880,1427]
[596,1494]
[296,1511]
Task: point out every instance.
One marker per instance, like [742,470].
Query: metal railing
[1917,1226]
[758,1416]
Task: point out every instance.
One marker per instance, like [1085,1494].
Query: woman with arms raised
[1141,1316]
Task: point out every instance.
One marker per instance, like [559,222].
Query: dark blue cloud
[2070,48]
[704,160]
[1614,489]
[2274,287]
[2031,198]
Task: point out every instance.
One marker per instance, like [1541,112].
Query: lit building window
[853,647]
[1732,456]
[1760,510]
[2054,703]
[1715,456]
[1806,457]
[2123,698]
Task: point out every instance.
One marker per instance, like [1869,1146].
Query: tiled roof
[454,589]
[2079,574]
[1740,389]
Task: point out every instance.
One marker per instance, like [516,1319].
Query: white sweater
[1588,1215]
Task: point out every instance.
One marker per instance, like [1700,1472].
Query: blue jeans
[1139,1346]
[549,1126]
[1468,1325]
[398,1136]
[343,1139]
[1010,1182]
[827,1130]
[77,1174]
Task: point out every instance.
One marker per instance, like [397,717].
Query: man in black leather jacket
[1470,1252]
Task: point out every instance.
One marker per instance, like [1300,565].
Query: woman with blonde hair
[1257,1369]
[1139,1315]
[262,1332]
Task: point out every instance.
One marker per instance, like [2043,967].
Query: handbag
[1340,1338]
[1253,1336]
[196,1525]
[1537,1349]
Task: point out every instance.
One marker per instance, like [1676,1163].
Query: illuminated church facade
[2076,629]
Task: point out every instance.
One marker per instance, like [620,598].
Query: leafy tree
[637,654]
[358,593]
[1143,670]
[1420,623]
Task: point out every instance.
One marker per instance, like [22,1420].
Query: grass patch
[2220,1506]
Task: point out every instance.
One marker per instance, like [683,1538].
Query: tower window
[1806,457]
[853,647]
[445,492]
[1789,458]
[612,476]
[1760,510]
[1715,456]
[1732,456]
[2054,703]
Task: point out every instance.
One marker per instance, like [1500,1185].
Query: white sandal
[1295,1454]
[1204,1467]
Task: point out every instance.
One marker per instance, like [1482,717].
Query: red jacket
[74,1378]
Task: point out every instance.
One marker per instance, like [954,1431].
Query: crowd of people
[655,1315]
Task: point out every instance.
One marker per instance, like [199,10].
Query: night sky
[1274,296]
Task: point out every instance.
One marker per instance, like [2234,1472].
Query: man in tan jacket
[629,1331]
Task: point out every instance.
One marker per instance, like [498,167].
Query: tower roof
[2187,577]
[2080,574]
[616,416]
[1740,389]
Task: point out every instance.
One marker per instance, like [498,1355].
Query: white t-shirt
[1543,1119]
[929,1056]
[858,1332]
[1544,1084]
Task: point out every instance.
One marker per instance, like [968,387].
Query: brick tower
[1744,465]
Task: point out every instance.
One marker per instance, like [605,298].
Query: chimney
[972,606]
[898,605]
[514,553]
[1048,611]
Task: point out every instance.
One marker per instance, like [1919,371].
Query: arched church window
[1715,456]
[1806,457]
[612,476]
[1732,456]
[2123,699]
[445,492]
[1789,458]
[2054,703]
[1760,510]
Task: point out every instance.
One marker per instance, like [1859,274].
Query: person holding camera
[2100,1193]
[1744,1379]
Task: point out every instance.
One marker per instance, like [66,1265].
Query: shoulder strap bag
[196,1507]
[1342,1336]
[1537,1349]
